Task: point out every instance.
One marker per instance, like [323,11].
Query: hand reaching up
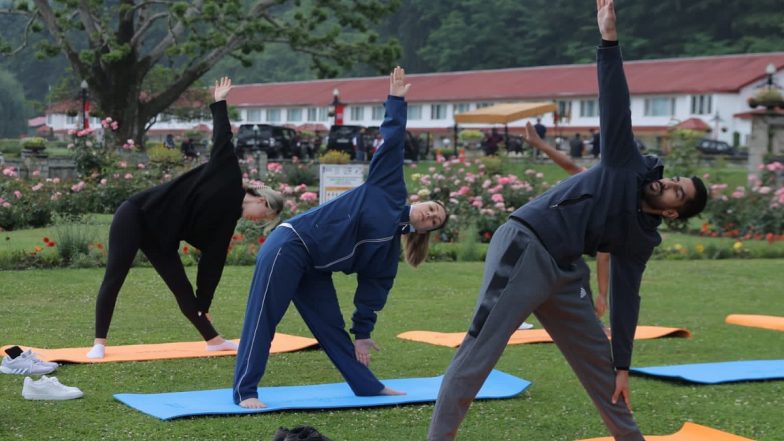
[222,88]
[605,17]
[531,136]
[397,82]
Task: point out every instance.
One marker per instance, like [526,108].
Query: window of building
[357,113]
[378,113]
[253,115]
[49,120]
[461,107]
[312,114]
[564,109]
[70,119]
[438,111]
[294,115]
[589,108]
[701,104]
[482,105]
[273,115]
[415,112]
[660,106]
[322,113]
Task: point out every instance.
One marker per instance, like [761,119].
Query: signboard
[336,179]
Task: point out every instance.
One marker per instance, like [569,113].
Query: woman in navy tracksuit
[357,232]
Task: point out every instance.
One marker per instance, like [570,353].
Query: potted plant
[768,98]
[35,144]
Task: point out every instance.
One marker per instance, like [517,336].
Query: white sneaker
[49,388]
[26,364]
[525,325]
[32,354]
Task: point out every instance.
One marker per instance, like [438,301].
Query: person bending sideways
[201,207]
[532,263]
[602,259]
[358,233]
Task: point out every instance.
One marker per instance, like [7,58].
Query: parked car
[275,141]
[413,150]
[715,147]
[341,137]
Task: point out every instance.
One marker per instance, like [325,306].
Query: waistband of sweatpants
[528,227]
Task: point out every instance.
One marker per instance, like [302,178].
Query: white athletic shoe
[26,364]
[525,325]
[49,388]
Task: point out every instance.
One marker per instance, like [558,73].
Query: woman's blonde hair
[274,199]
[417,245]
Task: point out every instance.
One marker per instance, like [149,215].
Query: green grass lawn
[54,308]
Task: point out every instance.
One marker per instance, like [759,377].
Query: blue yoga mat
[714,373]
[167,406]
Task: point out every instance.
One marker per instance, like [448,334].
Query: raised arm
[221,127]
[387,164]
[559,158]
[615,118]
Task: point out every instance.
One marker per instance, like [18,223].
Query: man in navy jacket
[531,265]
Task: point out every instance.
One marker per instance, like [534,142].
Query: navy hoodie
[599,209]
[359,231]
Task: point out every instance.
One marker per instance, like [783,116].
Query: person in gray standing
[532,264]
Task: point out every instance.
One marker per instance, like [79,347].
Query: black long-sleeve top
[599,209]
[201,207]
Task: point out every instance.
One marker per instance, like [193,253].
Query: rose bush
[755,211]
[473,196]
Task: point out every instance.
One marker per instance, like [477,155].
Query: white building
[711,92]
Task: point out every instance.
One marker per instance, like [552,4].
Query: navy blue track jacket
[359,231]
[599,209]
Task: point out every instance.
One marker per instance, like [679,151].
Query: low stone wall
[63,168]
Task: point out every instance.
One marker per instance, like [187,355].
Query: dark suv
[341,138]
[715,147]
[274,140]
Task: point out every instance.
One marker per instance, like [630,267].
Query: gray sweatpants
[522,278]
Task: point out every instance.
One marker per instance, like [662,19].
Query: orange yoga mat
[163,351]
[757,321]
[453,339]
[689,432]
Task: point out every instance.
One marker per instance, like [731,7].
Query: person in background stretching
[358,233]
[532,263]
[602,259]
[201,207]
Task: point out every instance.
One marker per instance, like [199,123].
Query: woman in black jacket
[201,207]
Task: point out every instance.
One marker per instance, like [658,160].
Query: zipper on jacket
[571,201]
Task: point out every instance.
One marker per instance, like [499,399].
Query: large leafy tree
[139,57]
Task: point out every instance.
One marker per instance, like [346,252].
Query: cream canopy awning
[504,113]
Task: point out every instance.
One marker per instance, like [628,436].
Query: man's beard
[651,194]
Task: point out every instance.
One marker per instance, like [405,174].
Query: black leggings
[125,239]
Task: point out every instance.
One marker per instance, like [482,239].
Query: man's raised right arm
[615,118]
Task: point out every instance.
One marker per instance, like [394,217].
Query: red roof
[762,111]
[716,74]
[36,122]
[694,124]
